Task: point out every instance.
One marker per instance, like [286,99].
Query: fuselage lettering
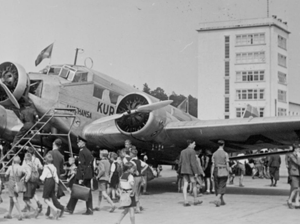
[103,108]
[81,112]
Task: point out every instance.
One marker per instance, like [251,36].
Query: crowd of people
[200,171]
[113,175]
[120,177]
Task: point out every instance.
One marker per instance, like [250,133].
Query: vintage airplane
[109,112]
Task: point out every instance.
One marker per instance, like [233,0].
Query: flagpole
[187,105]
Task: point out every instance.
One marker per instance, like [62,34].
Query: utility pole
[76,53]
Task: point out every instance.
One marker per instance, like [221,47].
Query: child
[72,170]
[31,186]
[179,181]
[50,179]
[126,184]
[15,172]
[232,171]
[114,177]
[103,178]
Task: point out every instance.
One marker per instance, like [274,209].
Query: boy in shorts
[103,178]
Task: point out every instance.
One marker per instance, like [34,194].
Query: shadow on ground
[168,184]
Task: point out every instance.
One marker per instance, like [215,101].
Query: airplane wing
[239,134]
[155,125]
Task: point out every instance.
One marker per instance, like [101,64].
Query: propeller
[140,109]
[10,95]
[154,106]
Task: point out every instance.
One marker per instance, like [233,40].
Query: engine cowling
[15,78]
[141,125]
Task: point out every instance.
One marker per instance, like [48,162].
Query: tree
[146,88]
[159,93]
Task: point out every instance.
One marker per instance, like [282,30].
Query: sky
[134,41]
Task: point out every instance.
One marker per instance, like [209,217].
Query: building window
[250,57]
[281,111]
[281,42]
[282,78]
[250,76]
[250,94]
[227,47]
[227,68]
[261,111]
[282,60]
[240,111]
[249,39]
[282,96]
[226,104]
[226,86]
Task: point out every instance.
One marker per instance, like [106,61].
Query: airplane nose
[3,120]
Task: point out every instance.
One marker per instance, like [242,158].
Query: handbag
[20,186]
[80,192]
[222,171]
[125,199]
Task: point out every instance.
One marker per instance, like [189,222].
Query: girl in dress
[50,179]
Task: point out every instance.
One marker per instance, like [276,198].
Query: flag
[46,53]
[183,106]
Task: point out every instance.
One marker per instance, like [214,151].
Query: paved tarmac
[257,202]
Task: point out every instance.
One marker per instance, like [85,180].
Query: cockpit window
[36,87]
[73,75]
[80,77]
[54,70]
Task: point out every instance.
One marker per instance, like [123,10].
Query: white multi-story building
[242,62]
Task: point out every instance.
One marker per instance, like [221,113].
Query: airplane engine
[15,78]
[142,125]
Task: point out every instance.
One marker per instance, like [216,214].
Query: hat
[79,138]
[30,150]
[58,142]
[104,151]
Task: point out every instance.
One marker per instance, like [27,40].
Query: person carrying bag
[222,171]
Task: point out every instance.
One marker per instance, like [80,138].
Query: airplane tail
[183,106]
[250,112]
